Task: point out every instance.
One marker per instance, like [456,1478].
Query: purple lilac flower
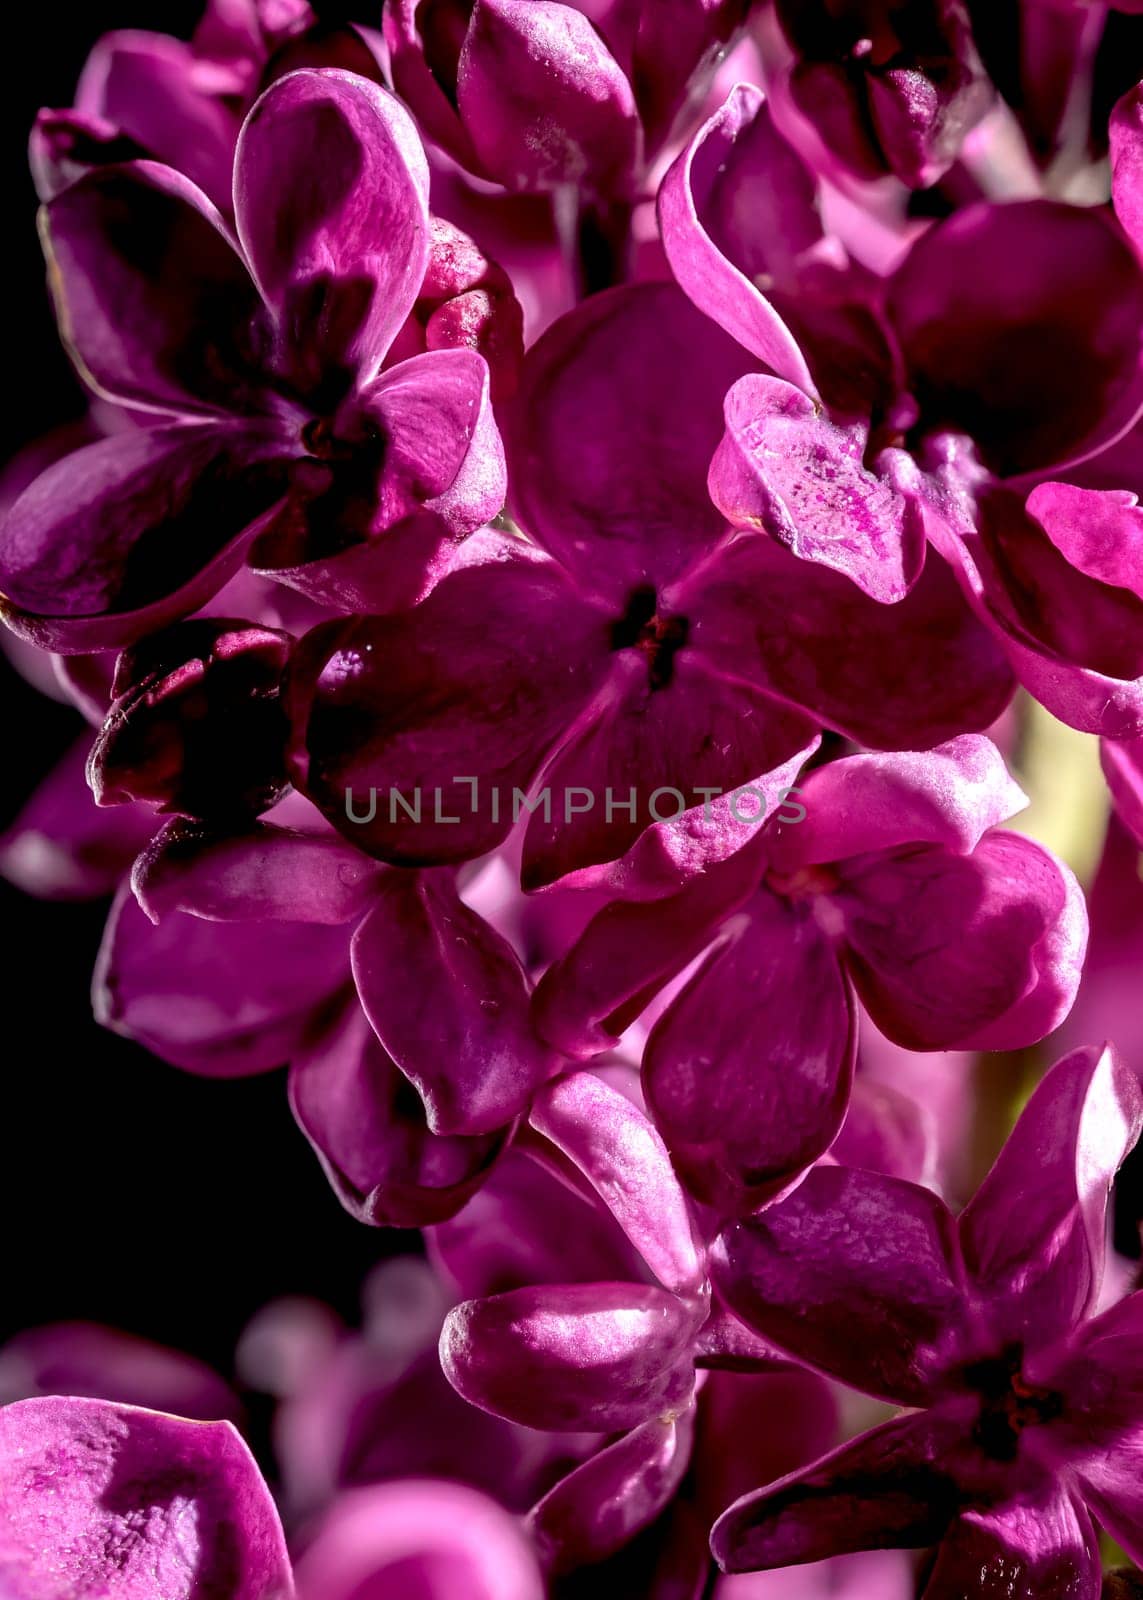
[899,886]
[642,647]
[280,424]
[1029,1408]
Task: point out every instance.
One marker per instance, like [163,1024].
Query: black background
[130,1192]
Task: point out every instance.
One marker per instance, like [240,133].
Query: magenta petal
[153,300]
[110,1500]
[592,1356]
[883,1490]
[627,953]
[748,1071]
[812,637]
[331,199]
[977,952]
[1021,326]
[366,1124]
[887,1317]
[1020,1551]
[419,1541]
[618,1150]
[612,1496]
[785,469]
[1034,1235]
[131,533]
[693,196]
[950,796]
[210,997]
[414,732]
[444,452]
[543,100]
[449,1001]
[1125,133]
[266,874]
[618,414]
[886,1131]
[1122,763]
[1099,532]
[62,847]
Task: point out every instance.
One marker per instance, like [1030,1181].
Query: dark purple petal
[154,302]
[219,999]
[621,1489]
[109,1499]
[266,873]
[977,952]
[887,1131]
[950,796]
[627,953]
[331,199]
[736,166]
[1020,1551]
[196,726]
[594,1356]
[543,100]
[617,1149]
[748,1071]
[432,719]
[886,1489]
[812,637]
[858,1273]
[788,471]
[420,1540]
[1022,326]
[618,414]
[449,1001]
[126,535]
[1034,1235]
[368,1127]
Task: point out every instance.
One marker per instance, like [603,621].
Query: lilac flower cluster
[725,418]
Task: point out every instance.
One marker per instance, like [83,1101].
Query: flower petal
[859,1273]
[543,100]
[623,1158]
[950,796]
[593,1356]
[266,874]
[1125,134]
[209,997]
[1034,1235]
[611,435]
[747,1073]
[738,159]
[615,1494]
[126,535]
[413,733]
[331,201]
[1022,326]
[105,1498]
[885,1489]
[366,1124]
[1019,1551]
[154,302]
[449,1001]
[1122,762]
[435,1540]
[788,471]
[977,952]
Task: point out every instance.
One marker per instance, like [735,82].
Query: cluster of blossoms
[579,509]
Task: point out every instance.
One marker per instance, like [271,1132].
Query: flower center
[659,638]
[1009,1404]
